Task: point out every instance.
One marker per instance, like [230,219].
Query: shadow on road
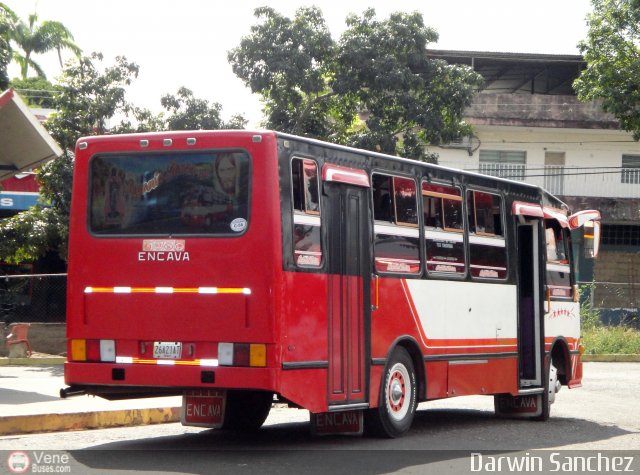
[441,436]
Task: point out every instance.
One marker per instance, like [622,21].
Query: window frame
[473,235]
[458,235]
[305,216]
[630,175]
[404,229]
[138,154]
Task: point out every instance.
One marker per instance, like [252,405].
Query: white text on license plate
[167,350]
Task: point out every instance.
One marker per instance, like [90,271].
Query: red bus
[239,268]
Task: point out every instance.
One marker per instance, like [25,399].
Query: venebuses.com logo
[18,462]
[38,462]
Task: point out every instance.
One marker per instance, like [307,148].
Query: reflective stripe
[132,360]
[167,290]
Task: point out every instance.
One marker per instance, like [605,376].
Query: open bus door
[530,401]
[529,298]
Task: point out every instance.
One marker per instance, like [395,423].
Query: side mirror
[589,221]
[591,236]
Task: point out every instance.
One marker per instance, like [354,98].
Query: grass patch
[611,340]
[600,339]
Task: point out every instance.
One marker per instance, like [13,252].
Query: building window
[630,169]
[503,163]
[620,235]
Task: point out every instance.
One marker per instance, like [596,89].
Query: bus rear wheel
[398,398]
[246,410]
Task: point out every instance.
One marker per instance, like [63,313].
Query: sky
[185,42]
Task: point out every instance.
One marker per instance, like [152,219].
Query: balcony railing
[606,182]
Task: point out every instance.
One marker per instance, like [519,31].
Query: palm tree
[7,21]
[38,39]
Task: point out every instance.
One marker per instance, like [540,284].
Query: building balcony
[607,182]
[537,110]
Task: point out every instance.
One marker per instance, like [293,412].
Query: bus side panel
[306,388]
[563,320]
[304,340]
[482,377]
[437,379]
[474,338]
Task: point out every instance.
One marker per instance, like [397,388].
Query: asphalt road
[602,416]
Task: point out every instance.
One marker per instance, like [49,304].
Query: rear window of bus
[169,193]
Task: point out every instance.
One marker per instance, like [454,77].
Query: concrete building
[529,125]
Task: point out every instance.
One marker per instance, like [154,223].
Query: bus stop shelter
[24,142]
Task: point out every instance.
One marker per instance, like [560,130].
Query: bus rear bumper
[116,381]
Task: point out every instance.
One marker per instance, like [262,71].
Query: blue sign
[17,201]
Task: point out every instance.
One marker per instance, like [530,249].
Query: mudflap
[332,423]
[527,406]
[204,408]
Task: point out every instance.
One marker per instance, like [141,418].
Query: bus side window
[307,249]
[395,211]
[443,228]
[487,247]
[558,270]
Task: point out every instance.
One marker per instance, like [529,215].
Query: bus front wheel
[398,398]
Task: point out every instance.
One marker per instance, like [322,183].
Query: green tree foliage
[32,38]
[375,88]
[8,20]
[187,112]
[184,111]
[35,91]
[89,97]
[613,61]
[289,62]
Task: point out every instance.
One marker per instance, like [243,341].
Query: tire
[398,398]
[246,410]
[550,390]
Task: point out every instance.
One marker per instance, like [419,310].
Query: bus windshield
[169,193]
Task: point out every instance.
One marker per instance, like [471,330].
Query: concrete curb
[39,423]
[48,361]
[611,358]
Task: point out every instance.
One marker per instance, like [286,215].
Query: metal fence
[617,303]
[33,298]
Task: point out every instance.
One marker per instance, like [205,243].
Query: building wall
[586,152]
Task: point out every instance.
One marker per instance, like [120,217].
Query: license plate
[203,408]
[167,350]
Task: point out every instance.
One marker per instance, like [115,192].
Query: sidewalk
[30,402]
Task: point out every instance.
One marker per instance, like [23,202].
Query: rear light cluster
[229,354]
[242,354]
[93,350]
